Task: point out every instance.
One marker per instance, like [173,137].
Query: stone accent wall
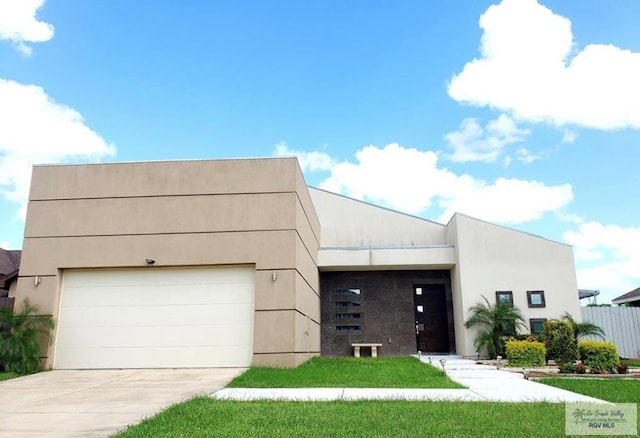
[386,308]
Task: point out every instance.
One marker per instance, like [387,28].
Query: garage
[156,318]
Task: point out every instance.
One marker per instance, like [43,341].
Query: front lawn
[7,376]
[332,372]
[613,390]
[204,417]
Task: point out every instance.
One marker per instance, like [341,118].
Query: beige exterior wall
[187,213]
[349,223]
[259,212]
[493,258]
[12,289]
[482,258]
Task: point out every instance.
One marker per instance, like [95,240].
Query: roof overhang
[409,258]
[6,280]
[625,300]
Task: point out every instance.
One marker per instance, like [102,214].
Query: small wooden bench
[374,348]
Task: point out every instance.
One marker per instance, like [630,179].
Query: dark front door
[432,329]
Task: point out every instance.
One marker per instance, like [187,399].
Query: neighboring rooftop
[629,297]
[587,293]
[9,264]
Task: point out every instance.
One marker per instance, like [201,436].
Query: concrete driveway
[97,403]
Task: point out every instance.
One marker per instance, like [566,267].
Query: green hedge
[598,354]
[560,341]
[525,353]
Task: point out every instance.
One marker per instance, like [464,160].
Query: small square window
[536,325]
[418,291]
[509,329]
[505,297]
[535,298]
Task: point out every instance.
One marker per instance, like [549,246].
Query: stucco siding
[186,213]
[493,258]
[353,224]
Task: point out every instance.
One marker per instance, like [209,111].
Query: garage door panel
[147,318]
[233,356]
[149,276]
[111,337]
[140,316]
[143,295]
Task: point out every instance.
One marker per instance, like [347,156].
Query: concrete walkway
[97,403]
[483,382]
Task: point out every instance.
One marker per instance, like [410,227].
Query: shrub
[525,337]
[491,322]
[580,368]
[567,368]
[622,368]
[525,353]
[20,341]
[560,341]
[602,356]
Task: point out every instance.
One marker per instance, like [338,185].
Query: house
[9,264]
[631,299]
[224,263]
[590,294]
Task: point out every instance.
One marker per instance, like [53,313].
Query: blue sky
[518,112]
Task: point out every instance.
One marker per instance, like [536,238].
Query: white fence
[621,326]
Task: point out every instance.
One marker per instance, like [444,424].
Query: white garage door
[156,318]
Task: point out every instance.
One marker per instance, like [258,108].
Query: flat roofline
[370,248]
[174,160]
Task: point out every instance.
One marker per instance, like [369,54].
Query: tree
[20,338]
[492,321]
[583,329]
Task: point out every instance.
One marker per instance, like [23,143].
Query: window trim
[508,293]
[535,320]
[531,293]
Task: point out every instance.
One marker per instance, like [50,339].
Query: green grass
[325,372]
[203,417]
[632,362]
[613,390]
[7,376]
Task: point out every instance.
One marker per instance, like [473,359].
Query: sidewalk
[483,382]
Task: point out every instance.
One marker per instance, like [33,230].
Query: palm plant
[492,321]
[583,329]
[20,336]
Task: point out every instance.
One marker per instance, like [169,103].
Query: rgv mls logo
[601,419]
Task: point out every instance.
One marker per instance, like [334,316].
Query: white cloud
[36,129]
[18,23]
[525,156]
[4,244]
[506,200]
[527,68]
[411,180]
[311,161]
[473,143]
[608,257]
[569,136]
